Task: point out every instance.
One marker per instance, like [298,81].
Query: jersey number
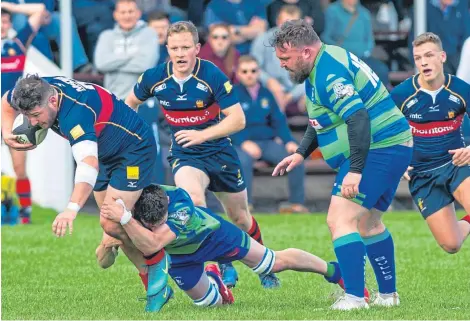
[374,79]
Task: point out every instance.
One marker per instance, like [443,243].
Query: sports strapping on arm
[309,142]
[359,139]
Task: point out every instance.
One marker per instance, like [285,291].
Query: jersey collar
[447,79]
[197,66]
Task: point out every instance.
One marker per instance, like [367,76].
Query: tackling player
[435,104]
[193,93]
[113,147]
[165,217]
[13,63]
[364,137]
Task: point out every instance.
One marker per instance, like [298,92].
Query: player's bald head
[295,33]
[182,27]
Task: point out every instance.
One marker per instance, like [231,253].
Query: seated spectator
[312,12]
[220,51]
[175,14]
[290,97]
[264,124]
[246,18]
[160,22]
[463,72]
[125,52]
[93,17]
[450,20]
[348,24]
[51,31]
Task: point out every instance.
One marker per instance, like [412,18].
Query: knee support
[210,298]
[266,264]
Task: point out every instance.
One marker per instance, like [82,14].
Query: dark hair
[158,15]
[296,33]
[152,206]
[29,92]
[6,12]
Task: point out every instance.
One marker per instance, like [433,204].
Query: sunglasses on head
[246,71]
[224,37]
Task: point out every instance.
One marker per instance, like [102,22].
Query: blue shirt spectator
[247,19]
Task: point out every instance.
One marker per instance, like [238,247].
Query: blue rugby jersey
[193,104]
[435,119]
[90,112]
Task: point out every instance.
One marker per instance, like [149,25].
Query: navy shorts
[132,170]
[226,244]
[381,175]
[223,169]
[432,190]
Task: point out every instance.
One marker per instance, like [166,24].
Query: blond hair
[427,37]
[182,27]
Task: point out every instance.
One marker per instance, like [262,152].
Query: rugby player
[193,93]
[13,63]
[166,217]
[113,147]
[364,137]
[435,103]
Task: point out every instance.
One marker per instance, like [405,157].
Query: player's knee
[210,299]
[267,263]
[198,199]
[110,228]
[371,228]
[451,247]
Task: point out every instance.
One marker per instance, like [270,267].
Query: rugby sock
[466,218]
[381,252]
[254,231]
[333,272]
[23,189]
[145,280]
[155,257]
[350,251]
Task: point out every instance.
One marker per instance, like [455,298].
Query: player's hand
[190,137]
[62,221]
[406,175]
[288,164]
[291,147]
[350,185]
[11,141]
[112,211]
[461,156]
[252,149]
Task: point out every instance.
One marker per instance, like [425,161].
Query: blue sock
[350,251]
[381,253]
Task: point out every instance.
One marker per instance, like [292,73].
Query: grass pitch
[48,278]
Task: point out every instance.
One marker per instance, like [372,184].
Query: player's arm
[308,143]
[36,11]
[132,101]
[142,89]
[233,122]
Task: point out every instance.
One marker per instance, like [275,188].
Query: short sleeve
[340,96]
[78,125]
[224,94]
[146,83]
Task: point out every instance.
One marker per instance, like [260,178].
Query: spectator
[126,51]
[450,20]
[51,31]
[289,96]
[348,24]
[264,123]
[174,13]
[93,17]
[312,12]
[247,20]
[160,22]
[464,66]
[220,50]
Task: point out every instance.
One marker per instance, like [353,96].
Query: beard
[301,73]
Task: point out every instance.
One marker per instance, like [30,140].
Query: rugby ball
[26,132]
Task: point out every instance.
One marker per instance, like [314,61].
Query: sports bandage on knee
[85,173]
[266,264]
[210,298]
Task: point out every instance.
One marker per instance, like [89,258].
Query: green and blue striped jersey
[339,85]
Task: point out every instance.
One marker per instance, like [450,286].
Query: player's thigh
[371,223]
[99,197]
[343,215]
[444,227]
[462,191]
[18,159]
[190,278]
[194,181]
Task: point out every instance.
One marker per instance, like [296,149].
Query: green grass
[48,278]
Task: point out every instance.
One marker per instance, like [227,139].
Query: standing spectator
[264,123]
[289,96]
[126,51]
[348,24]
[450,20]
[463,72]
[51,31]
[247,20]
[220,51]
[93,17]
[312,12]
[160,22]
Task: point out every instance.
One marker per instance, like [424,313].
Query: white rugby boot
[349,302]
[387,300]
